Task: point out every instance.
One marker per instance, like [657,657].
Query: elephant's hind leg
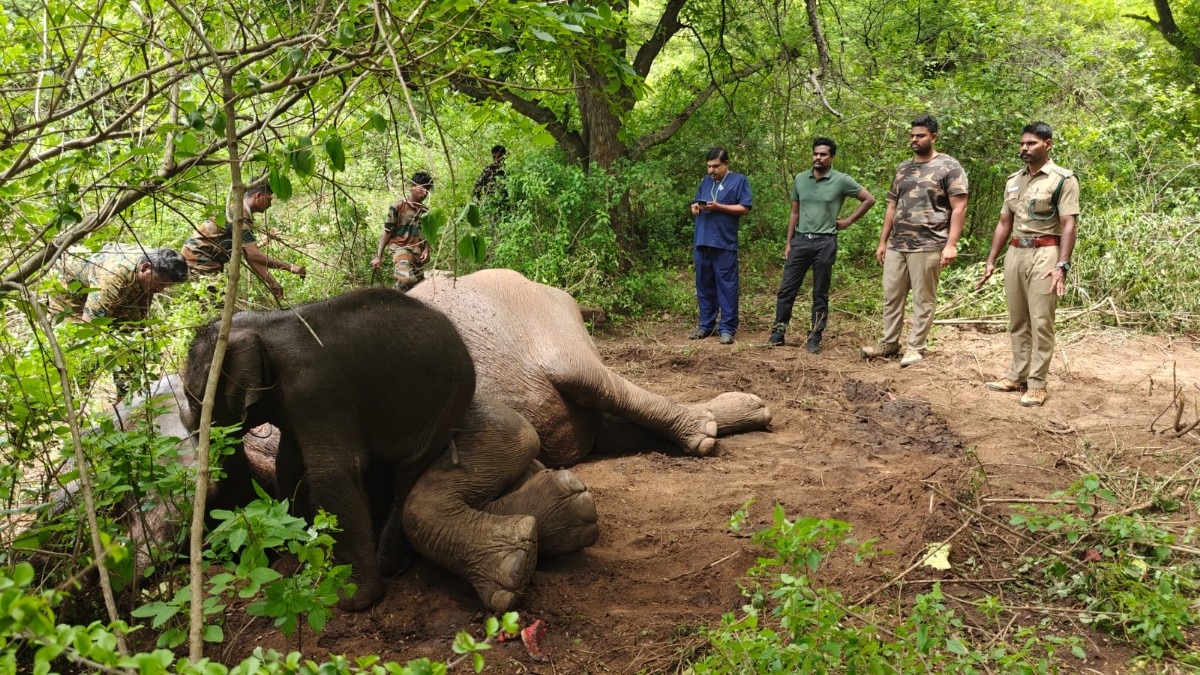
[496,553]
[565,510]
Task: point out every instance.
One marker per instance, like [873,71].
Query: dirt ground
[862,441]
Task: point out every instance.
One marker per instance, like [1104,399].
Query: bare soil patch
[862,441]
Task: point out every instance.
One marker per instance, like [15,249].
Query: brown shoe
[1005,384]
[881,350]
[1033,398]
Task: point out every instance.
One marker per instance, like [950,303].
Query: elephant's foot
[370,591]
[698,432]
[737,412]
[562,505]
[504,568]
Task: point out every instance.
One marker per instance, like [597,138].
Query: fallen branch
[697,571]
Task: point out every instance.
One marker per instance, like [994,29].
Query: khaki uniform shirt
[1029,199]
[111,275]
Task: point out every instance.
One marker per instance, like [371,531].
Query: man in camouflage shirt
[926,206]
[402,234]
[118,282]
[1041,203]
[210,247]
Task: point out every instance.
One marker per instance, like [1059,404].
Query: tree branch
[571,141]
[664,133]
[668,25]
[1167,27]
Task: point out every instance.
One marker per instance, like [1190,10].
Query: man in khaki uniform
[1037,220]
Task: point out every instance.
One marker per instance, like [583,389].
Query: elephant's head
[246,375]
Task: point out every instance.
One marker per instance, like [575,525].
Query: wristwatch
[1065,266]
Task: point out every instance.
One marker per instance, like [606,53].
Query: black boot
[814,342]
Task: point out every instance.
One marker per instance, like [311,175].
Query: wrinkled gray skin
[370,383]
[533,353]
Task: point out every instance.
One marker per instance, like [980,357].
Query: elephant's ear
[247,371]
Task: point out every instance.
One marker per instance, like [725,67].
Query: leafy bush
[794,624]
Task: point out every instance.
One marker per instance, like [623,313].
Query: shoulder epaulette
[1062,171]
[1014,174]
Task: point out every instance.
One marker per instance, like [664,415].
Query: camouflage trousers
[406,268]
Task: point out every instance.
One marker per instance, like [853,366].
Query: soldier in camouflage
[926,206]
[402,234]
[1037,221]
[210,247]
[118,282]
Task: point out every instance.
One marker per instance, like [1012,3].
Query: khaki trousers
[903,272]
[1031,304]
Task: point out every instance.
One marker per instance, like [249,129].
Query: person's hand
[842,223]
[949,254]
[375,262]
[423,257]
[695,209]
[1058,280]
[987,274]
[880,253]
[298,270]
[787,250]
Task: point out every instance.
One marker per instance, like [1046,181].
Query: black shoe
[699,334]
[814,344]
[776,339]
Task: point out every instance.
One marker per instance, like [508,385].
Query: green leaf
[195,120]
[473,246]
[280,184]
[345,33]
[432,224]
[471,214]
[218,123]
[543,35]
[543,139]
[301,158]
[573,28]
[378,123]
[955,647]
[213,633]
[337,155]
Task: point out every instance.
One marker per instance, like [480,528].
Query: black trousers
[817,253]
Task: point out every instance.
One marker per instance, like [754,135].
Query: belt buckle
[1026,242]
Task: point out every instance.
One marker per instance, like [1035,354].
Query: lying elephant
[532,352]
[367,390]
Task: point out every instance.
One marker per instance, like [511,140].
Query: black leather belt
[814,235]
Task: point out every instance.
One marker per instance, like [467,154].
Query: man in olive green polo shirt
[817,197]
[1037,220]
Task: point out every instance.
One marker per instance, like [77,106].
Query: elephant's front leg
[337,487]
[734,412]
[442,516]
[586,382]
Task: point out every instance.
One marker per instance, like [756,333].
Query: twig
[696,571]
[918,563]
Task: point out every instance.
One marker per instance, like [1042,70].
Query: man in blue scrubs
[722,199]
